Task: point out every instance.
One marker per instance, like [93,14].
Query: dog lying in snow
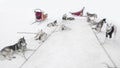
[52,24]
[41,36]
[20,46]
[67,18]
[91,15]
[63,27]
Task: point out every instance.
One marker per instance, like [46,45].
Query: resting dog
[41,36]
[91,15]
[70,18]
[52,24]
[8,51]
[67,18]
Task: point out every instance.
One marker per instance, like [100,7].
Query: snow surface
[75,48]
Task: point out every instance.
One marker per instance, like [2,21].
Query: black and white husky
[54,23]
[41,36]
[110,29]
[65,17]
[20,46]
[70,18]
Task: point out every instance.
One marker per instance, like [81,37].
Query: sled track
[108,55]
[37,49]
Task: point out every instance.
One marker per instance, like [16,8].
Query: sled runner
[39,15]
[78,13]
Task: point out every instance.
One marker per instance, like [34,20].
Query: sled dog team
[21,45]
[110,28]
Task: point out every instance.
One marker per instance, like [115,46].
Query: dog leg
[24,55]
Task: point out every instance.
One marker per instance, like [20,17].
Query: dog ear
[23,37]
[104,20]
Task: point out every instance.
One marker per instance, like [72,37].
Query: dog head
[87,13]
[22,41]
[104,20]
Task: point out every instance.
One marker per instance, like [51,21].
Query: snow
[75,48]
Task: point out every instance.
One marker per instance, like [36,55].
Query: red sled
[78,13]
[40,16]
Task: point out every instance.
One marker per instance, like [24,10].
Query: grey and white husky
[20,46]
[52,24]
[91,15]
[100,25]
[41,36]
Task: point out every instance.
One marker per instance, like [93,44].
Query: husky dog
[8,51]
[110,29]
[41,36]
[52,24]
[64,17]
[67,18]
[88,19]
[91,15]
[92,22]
[70,18]
[100,25]
[63,27]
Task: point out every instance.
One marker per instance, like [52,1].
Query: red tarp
[78,13]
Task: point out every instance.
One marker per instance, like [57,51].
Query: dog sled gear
[40,16]
[78,13]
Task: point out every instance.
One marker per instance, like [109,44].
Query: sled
[78,13]
[39,15]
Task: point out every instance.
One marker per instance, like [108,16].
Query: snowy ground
[77,48]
